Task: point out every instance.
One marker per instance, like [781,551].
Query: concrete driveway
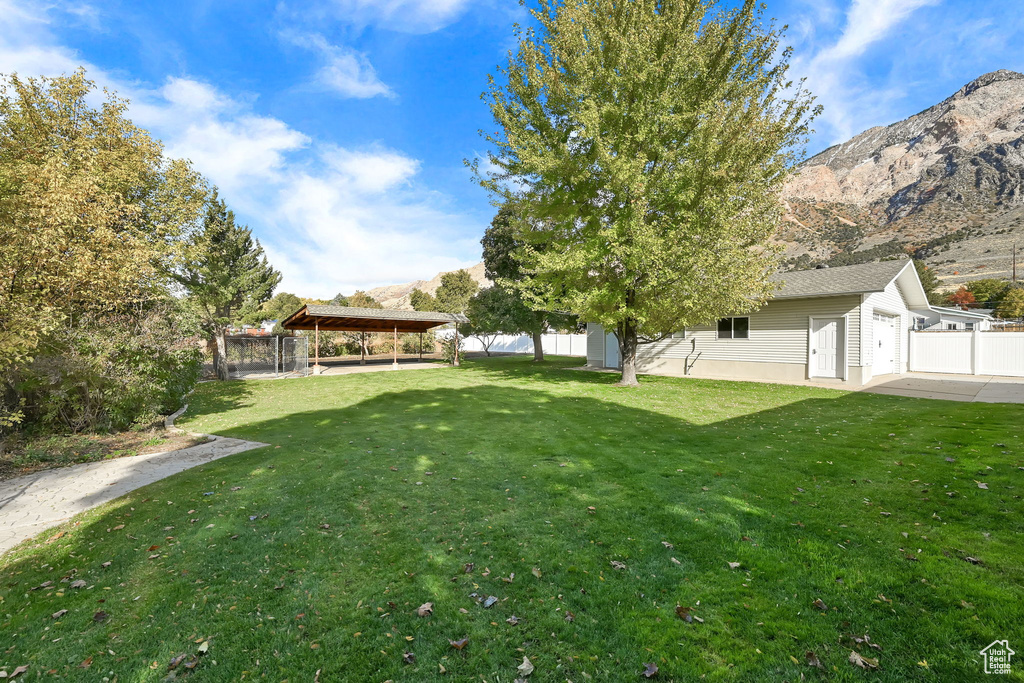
[968,388]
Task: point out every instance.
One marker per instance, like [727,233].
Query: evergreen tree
[226,275]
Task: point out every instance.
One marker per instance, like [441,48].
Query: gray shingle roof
[384,314]
[859,279]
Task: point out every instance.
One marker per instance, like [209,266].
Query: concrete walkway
[35,502]
[968,388]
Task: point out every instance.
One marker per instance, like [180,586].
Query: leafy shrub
[448,347]
[110,372]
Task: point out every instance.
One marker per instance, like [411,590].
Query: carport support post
[396,348]
[316,350]
[421,347]
[456,360]
[362,348]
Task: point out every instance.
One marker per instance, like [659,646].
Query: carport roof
[351,319]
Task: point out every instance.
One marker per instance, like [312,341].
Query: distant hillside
[946,184]
[397,296]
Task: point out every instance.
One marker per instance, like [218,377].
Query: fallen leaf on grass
[459,644]
[866,640]
[425,610]
[569,616]
[650,670]
[99,616]
[684,613]
[812,660]
[982,485]
[863,662]
[734,565]
[513,620]
[667,545]
[820,604]
[117,528]
[236,488]
[105,565]
[58,614]
[675,561]
[20,670]
[536,572]
[204,648]
[325,526]
[409,658]
[618,565]
[77,584]
[509,578]
[86,664]
[468,569]
[591,510]
[526,668]
[972,560]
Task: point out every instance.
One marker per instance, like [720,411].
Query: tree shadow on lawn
[361,514]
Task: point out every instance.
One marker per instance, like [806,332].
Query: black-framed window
[734,328]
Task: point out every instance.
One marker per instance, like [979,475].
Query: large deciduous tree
[1012,304]
[646,143]
[500,246]
[455,291]
[422,301]
[91,212]
[226,276]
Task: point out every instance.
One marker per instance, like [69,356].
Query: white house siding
[889,302]
[776,349]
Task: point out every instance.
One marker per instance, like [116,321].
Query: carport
[312,317]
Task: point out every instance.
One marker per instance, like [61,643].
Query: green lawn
[378,489]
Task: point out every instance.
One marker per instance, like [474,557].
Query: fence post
[976,352]
[277,356]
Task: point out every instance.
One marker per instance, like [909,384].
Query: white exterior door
[825,347]
[884,362]
[611,351]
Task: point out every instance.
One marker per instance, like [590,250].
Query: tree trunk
[220,355]
[626,333]
[538,346]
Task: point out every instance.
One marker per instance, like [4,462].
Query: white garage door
[884,344]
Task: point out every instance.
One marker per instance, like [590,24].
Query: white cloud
[344,70]
[332,219]
[853,101]
[410,16]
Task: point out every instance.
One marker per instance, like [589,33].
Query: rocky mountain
[946,185]
[397,296]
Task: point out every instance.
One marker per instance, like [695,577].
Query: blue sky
[336,129]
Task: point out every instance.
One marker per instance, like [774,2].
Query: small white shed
[843,325]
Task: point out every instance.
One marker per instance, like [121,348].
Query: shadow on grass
[363,513]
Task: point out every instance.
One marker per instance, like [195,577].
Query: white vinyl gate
[968,353]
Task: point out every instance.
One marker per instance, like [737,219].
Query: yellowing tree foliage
[90,213]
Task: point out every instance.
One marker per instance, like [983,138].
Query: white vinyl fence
[554,344]
[968,353]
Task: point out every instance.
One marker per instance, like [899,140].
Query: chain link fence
[294,356]
[266,357]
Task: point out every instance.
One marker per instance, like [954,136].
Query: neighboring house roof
[942,310]
[863,278]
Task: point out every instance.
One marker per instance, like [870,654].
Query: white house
[844,325]
[941,318]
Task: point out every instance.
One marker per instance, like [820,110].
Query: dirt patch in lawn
[21,454]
